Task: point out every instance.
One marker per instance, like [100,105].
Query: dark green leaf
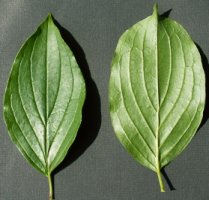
[44,98]
[156,91]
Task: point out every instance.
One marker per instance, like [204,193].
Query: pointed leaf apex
[155,9]
[49,17]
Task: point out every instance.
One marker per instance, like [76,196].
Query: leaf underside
[156,90]
[44,98]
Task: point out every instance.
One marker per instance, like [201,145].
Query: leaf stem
[50,187]
[162,189]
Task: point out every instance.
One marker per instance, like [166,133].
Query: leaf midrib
[46,101]
[158,94]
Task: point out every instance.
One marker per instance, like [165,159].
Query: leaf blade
[44,98]
[156,90]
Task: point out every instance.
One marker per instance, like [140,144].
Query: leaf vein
[178,97]
[137,129]
[21,101]
[22,132]
[60,70]
[65,110]
[169,43]
[129,140]
[31,80]
[145,84]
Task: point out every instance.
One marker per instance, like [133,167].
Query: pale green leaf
[156,91]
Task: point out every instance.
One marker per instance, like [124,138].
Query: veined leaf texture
[44,98]
[156,91]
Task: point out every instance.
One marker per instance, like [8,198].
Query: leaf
[156,91]
[44,98]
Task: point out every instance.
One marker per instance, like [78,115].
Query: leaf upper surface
[44,98]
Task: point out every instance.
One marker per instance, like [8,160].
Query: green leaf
[44,98]
[156,91]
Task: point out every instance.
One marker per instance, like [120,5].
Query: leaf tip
[155,9]
[50,16]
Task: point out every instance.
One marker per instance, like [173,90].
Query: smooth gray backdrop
[98,167]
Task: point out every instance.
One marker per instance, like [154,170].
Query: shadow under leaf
[168,181]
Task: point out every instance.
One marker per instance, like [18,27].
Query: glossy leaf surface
[44,98]
[156,91]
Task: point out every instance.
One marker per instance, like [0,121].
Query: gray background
[98,168]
